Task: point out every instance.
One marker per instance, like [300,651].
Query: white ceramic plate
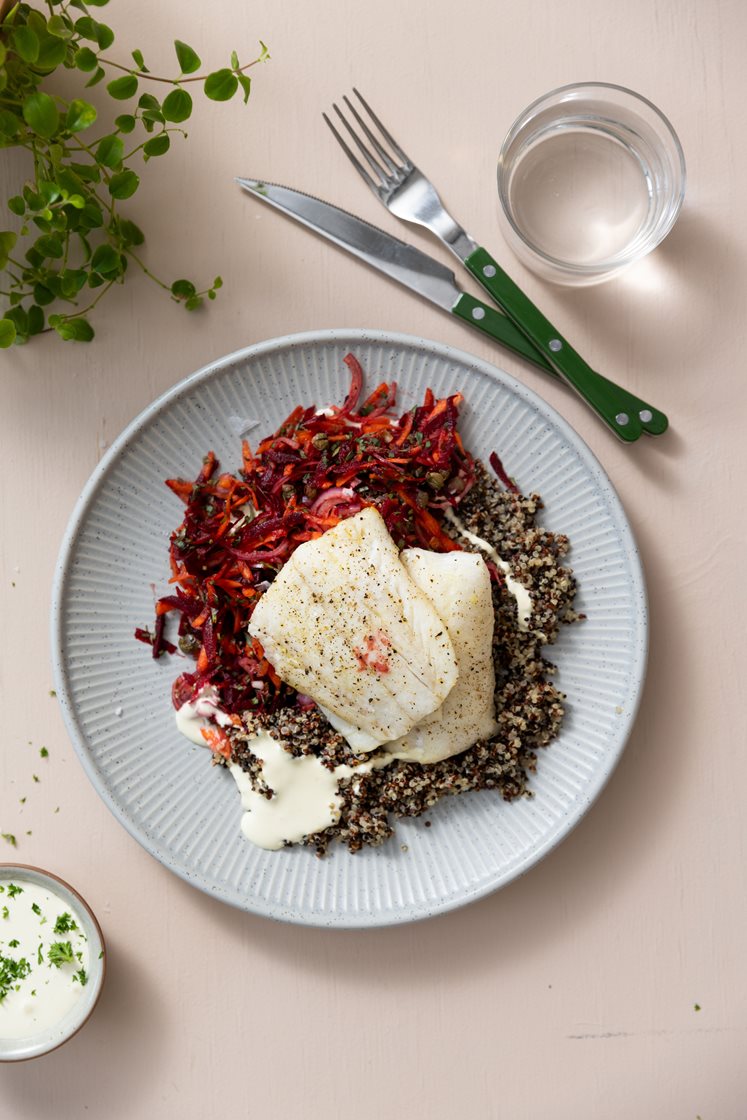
[116,699]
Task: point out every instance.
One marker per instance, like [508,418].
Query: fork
[410,196]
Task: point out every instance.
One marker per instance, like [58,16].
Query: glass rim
[610,264]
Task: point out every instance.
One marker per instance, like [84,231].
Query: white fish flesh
[458,585]
[344,623]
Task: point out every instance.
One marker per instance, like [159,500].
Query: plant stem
[169,81]
[146,270]
[77,313]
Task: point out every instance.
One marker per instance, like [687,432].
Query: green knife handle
[500,328]
[625,414]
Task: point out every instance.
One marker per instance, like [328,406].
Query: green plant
[75,242]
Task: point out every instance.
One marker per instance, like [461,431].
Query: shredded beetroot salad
[318,468]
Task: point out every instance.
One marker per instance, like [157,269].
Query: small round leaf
[85,59]
[110,151]
[7,241]
[51,53]
[122,88]
[80,115]
[36,319]
[74,330]
[42,295]
[157,146]
[49,245]
[183,289]
[189,60]
[123,184]
[7,333]
[130,233]
[57,25]
[125,123]
[26,43]
[98,75]
[8,123]
[221,85]
[246,84]
[104,36]
[105,260]
[17,205]
[177,106]
[40,114]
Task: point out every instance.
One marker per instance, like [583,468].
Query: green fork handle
[627,415]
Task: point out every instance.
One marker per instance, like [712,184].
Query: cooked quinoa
[529,708]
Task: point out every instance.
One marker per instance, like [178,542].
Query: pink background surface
[573,992]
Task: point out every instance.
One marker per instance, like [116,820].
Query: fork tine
[376,144]
[386,134]
[351,155]
[375,167]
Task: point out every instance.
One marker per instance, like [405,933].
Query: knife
[402,262]
[412,268]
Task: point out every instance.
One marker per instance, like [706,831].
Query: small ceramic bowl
[32,1045]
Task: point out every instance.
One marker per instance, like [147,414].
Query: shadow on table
[116,1054]
[565,893]
[667,304]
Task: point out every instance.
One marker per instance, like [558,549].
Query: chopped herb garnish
[6,912]
[11,971]
[60,952]
[65,923]
[81,976]
[36,778]
[40,954]
[52,692]
[14,943]
[22,800]
[44,752]
[36,908]
[13,890]
[9,838]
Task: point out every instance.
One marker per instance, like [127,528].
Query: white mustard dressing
[195,715]
[40,998]
[306,797]
[518,590]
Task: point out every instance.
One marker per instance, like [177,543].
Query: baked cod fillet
[344,623]
[458,585]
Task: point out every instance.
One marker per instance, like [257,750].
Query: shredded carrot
[318,468]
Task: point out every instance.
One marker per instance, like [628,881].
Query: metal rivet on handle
[645,415]
[489,270]
[622,419]
[478,312]
[555,344]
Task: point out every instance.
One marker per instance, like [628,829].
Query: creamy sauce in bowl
[51,962]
